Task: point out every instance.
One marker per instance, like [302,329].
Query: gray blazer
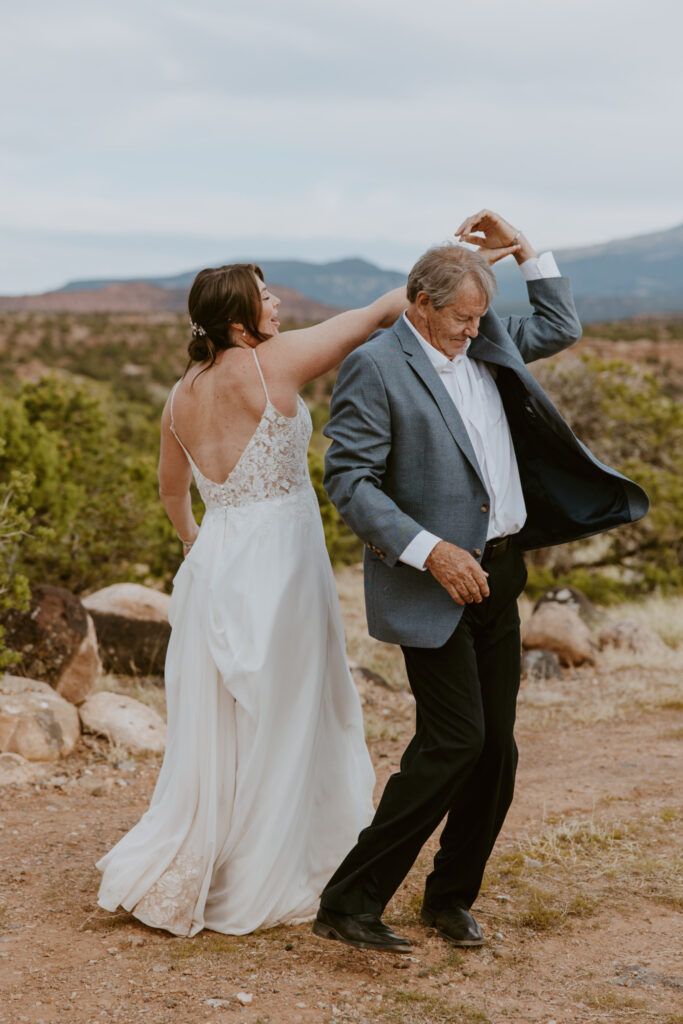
[400,460]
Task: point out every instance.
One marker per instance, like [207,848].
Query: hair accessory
[197,330]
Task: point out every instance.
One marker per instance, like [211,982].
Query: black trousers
[460,764]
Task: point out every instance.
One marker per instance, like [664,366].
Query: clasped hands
[496,238]
[457,571]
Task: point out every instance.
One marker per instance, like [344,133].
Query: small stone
[540,664]
[96,786]
[218,1003]
[244,998]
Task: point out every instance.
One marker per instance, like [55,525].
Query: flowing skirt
[266,779]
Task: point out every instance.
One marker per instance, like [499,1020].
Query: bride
[266,780]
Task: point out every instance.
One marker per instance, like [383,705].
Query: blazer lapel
[488,352]
[421,365]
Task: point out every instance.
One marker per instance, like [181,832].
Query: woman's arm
[306,354]
[175,477]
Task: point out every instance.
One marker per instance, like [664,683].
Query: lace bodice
[273,464]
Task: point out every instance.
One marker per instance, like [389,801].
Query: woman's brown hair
[220,297]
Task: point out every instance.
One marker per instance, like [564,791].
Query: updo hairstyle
[220,297]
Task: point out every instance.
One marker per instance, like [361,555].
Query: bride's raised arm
[305,354]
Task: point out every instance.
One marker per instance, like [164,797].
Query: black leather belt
[496,546]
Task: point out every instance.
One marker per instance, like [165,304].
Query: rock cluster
[36,724]
[59,668]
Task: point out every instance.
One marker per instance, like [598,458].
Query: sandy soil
[580,904]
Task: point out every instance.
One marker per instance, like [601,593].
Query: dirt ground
[581,904]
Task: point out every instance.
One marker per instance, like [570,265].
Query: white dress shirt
[472,389]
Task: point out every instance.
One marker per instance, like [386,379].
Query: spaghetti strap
[173,429]
[173,391]
[260,373]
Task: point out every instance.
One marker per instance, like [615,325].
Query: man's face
[448,329]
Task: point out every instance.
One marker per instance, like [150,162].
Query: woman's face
[269,323]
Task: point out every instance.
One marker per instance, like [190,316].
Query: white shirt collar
[436,358]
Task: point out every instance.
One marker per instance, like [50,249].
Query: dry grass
[148,690]
[573,866]
[616,690]
[408,1007]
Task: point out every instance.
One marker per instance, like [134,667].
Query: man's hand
[458,572]
[497,238]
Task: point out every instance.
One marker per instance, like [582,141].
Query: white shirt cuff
[419,549]
[540,266]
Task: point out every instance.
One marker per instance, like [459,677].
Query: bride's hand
[496,238]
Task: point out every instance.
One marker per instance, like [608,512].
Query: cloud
[362,121]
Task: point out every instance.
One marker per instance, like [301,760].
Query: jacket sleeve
[355,463]
[554,324]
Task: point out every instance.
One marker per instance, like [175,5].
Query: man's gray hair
[442,271]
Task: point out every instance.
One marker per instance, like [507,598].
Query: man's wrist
[526,250]
[419,550]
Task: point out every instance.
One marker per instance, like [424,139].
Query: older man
[448,460]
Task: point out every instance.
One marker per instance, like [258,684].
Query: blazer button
[484,508]
[476,552]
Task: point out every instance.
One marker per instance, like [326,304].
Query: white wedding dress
[266,780]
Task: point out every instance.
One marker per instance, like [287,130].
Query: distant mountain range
[630,276]
[639,275]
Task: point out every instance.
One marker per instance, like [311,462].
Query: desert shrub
[96,494]
[622,414]
[14,524]
[343,546]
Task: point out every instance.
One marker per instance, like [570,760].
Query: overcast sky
[152,137]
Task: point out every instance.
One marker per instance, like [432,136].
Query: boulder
[124,721]
[570,597]
[131,600]
[132,628]
[558,629]
[56,642]
[636,637]
[540,664]
[35,722]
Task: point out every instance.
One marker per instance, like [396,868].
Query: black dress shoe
[364,931]
[455,924]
